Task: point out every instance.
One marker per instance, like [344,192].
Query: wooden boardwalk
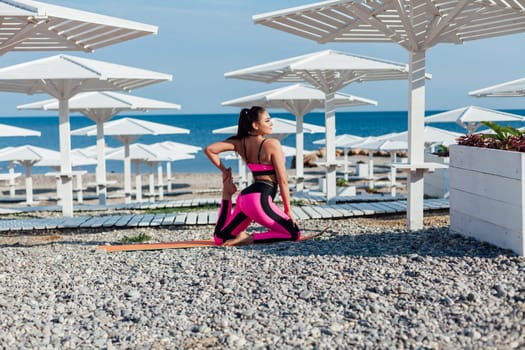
[205,217]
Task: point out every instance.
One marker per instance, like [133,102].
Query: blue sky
[200,40]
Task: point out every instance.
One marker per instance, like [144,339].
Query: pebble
[364,284]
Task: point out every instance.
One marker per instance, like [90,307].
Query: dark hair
[246,119]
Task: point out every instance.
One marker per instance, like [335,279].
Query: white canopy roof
[36,26]
[91,151]
[280,126]
[431,136]
[514,88]
[298,99]
[414,24]
[28,153]
[131,127]
[8,131]
[341,140]
[37,76]
[179,147]
[384,145]
[470,117]
[41,156]
[315,67]
[114,101]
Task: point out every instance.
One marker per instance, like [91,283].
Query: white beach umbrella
[513,88]
[28,156]
[329,71]
[299,100]
[470,117]
[63,77]
[431,136]
[127,130]
[150,155]
[91,151]
[101,106]
[416,25]
[36,26]
[15,131]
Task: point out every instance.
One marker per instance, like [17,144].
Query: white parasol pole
[299,158]
[416,126]
[330,147]
[66,180]
[101,164]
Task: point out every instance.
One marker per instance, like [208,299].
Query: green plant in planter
[504,138]
[341,182]
[442,151]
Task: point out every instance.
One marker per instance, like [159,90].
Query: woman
[265,158]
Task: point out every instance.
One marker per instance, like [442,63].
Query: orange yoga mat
[175,245]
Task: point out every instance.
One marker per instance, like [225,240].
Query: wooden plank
[363,208]
[333,211]
[339,210]
[124,220]
[180,219]
[202,218]
[213,217]
[111,221]
[135,220]
[311,212]
[168,219]
[157,220]
[74,222]
[326,214]
[89,222]
[99,222]
[146,220]
[191,218]
[299,213]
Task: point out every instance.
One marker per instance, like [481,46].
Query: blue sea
[201,126]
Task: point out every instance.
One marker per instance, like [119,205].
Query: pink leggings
[255,203]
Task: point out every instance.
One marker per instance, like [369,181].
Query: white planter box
[436,182]
[487,195]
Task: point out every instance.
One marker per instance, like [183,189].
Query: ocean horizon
[361,123]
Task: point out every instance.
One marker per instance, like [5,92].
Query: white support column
[127,173]
[330,147]
[29,184]
[12,181]
[243,177]
[371,183]
[345,165]
[66,180]
[168,175]
[393,174]
[101,164]
[138,183]
[151,183]
[299,155]
[160,182]
[80,191]
[416,124]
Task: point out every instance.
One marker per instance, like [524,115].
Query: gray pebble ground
[365,284]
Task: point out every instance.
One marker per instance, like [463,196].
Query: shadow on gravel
[416,245]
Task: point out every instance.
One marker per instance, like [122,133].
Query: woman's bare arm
[213,150]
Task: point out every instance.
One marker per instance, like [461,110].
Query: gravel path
[365,284]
